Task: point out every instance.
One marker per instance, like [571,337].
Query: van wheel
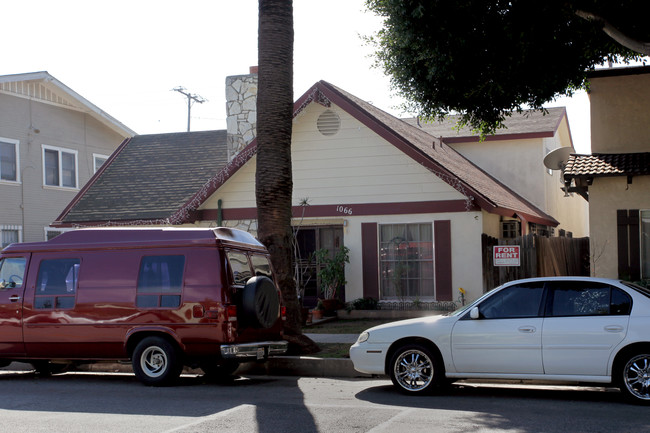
[260,303]
[156,362]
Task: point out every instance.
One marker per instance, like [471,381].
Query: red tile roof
[608,164]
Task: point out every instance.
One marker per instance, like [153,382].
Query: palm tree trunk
[273,179]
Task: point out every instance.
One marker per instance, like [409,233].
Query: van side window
[56,284]
[261,266]
[240,268]
[160,281]
[12,272]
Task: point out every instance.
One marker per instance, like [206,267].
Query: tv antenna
[191,99]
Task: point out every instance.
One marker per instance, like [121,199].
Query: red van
[161,297]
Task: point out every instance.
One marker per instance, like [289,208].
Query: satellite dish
[556,159]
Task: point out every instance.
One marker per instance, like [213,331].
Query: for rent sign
[506,255]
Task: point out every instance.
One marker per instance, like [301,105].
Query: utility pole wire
[191,98]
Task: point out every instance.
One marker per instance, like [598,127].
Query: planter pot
[330,306]
[317,314]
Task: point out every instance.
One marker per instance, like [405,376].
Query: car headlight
[363,337]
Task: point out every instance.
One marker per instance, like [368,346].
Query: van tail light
[283,313]
[231,313]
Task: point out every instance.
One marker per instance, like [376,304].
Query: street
[101,402]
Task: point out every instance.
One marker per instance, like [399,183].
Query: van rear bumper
[254,351]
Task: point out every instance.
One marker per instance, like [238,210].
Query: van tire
[156,362]
[260,303]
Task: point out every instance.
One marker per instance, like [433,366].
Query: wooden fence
[539,256]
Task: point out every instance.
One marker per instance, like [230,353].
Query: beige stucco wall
[28,203]
[620,118]
[606,195]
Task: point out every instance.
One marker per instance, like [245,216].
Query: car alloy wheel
[636,378]
[414,369]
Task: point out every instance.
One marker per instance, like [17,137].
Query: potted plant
[331,275]
[317,313]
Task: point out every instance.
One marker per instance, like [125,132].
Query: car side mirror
[474,314]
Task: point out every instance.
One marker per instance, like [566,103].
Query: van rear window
[241,271]
[160,281]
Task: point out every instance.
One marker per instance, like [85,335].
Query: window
[8,160]
[56,284]
[51,233]
[406,261]
[542,230]
[592,299]
[513,302]
[98,161]
[12,272]
[160,281]
[645,244]
[59,167]
[262,266]
[241,271]
[9,235]
[510,229]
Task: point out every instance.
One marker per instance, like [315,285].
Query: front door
[309,240]
[12,288]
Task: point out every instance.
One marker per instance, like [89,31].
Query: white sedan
[577,329]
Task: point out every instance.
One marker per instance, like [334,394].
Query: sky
[125,57]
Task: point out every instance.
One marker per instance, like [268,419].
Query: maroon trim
[347,210]
[442,254]
[370,260]
[516,136]
[91,182]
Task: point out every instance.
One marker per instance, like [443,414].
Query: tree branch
[616,34]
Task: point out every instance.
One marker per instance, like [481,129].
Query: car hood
[412,327]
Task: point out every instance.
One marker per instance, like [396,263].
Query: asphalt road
[100,402]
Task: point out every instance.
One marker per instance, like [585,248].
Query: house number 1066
[344,209]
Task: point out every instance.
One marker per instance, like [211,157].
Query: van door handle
[527,329]
[614,328]
[14,298]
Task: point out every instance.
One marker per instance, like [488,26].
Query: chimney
[241,111]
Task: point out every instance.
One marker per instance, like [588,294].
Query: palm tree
[273,179]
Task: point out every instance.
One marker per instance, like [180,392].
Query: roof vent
[328,123]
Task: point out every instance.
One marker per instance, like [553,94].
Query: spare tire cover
[260,306]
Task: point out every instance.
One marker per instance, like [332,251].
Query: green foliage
[362,304]
[484,59]
[332,272]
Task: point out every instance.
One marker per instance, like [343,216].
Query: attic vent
[328,123]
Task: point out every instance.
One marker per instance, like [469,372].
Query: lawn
[340,326]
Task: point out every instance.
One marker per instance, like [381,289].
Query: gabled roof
[527,124]
[480,188]
[148,178]
[42,86]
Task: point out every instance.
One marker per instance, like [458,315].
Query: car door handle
[14,298]
[527,329]
[614,328]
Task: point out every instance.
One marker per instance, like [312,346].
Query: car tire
[260,303]
[415,369]
[635,378]
[156,362]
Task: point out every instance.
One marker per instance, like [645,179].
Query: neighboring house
[615,178]
[411,209]
[52,141]
[514,156]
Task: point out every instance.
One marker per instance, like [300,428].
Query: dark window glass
[580,298]
[7,161]
[516,301]
[241,271]
[262,266]
[160,275]
[56,284]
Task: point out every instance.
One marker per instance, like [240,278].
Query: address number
[344,209]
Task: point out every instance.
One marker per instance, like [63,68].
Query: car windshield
[643,290]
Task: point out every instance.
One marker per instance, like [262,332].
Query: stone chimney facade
[241,111]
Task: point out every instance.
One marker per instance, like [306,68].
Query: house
[615,178]
[52,141]
[409,206]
